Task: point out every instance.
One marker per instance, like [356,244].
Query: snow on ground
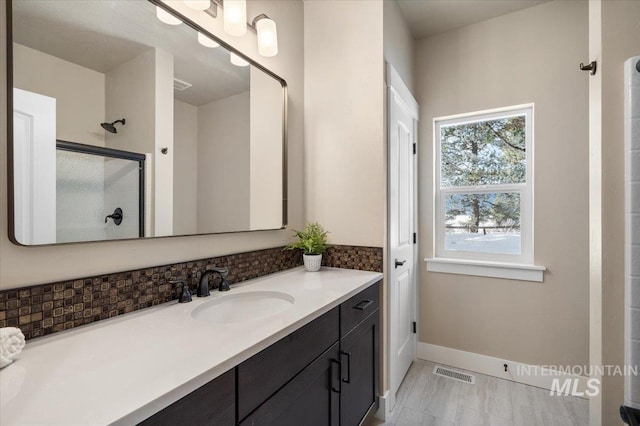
[496,242]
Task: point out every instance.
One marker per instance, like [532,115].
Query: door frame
[395,85]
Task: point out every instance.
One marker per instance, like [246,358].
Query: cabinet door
[311,398]
[263,374]
[359,356]
[211,404]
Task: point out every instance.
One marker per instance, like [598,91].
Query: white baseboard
[532,375]
[384,407]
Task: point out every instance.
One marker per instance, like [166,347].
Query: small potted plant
[312,240]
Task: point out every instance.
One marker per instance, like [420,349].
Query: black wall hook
[591,67]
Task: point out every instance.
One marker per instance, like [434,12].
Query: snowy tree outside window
[483,185]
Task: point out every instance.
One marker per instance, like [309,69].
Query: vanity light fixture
[235,24]
[237,60]
[198,4]
[267,35]
[166,17]
[206,41]
[235,17]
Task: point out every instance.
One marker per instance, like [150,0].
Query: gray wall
[223,164]
[398,42]
[343,119]
[79,92]
[527,56]
[185,168]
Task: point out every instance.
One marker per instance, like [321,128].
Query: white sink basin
[242,307]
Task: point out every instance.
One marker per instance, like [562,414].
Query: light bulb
[206,41]
[166,17]
[198,4]
[235,17]
[267,37]
[237,60]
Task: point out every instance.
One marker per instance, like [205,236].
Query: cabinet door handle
[334,363]
[363,305]
[348,355]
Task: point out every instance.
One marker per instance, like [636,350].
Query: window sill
[511,271]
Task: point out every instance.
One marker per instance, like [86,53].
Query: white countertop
[122,370]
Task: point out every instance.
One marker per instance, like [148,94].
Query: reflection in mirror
[114,109]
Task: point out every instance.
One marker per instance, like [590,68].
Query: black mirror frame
[191,24]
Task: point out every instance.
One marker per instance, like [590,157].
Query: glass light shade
[267,37]
[237,60]
[198,4]
[235,17]
[206,41]
[166,17]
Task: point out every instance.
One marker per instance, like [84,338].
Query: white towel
[11,344]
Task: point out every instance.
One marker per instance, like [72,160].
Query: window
[484,186]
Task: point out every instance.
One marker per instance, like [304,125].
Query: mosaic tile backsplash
[354,257]
[48,308]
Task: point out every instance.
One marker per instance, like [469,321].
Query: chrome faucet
[203,288]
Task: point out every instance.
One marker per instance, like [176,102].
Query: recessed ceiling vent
[180,85]
[455,375]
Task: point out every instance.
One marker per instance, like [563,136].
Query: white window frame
[525,258]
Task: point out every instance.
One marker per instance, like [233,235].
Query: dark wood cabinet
[314,397]
[358,308]
[263,374]
[324,374]
[359,357]
[311,398]
[211,404]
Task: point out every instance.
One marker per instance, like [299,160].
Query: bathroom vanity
[323,373]
[289,348]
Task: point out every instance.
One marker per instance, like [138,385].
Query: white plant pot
[312,262]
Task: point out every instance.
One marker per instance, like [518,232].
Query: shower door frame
[119,154]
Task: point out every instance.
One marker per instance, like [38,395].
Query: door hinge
[415,148]
[415,238]
[413,327]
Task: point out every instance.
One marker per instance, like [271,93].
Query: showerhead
[110,127]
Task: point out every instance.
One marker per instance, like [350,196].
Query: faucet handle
[185,295]
[222,271]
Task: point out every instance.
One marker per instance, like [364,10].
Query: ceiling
[101,35]
[430,17]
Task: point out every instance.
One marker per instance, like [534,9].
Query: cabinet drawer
[262,375]
[312,398]
[359,307]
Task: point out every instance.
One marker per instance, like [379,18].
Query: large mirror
[125,127]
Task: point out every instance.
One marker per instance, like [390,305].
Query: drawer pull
[363,305]
[348,355]
[336,389]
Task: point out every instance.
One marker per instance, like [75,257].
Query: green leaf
[312,239]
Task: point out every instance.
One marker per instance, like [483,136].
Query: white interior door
[402,140]
[34,167]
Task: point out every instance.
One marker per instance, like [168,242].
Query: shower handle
[116,216]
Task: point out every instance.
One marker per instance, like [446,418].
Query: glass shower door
[100,193]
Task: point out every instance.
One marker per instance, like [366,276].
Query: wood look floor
[429,400]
